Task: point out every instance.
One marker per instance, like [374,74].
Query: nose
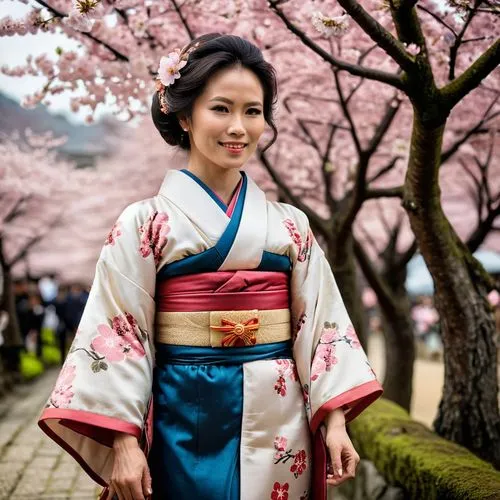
[236,128]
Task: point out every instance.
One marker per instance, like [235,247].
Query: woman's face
[227,119]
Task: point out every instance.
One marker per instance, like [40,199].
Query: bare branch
[347,114]
[317,222]
[353,69]
[383,127]
[379,34]
[458,40]
[437,18]
[446,155]
[405,257]
[455,91]
[392,192]
[385,169]
[184,22]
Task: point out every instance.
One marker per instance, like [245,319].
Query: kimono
[239,417]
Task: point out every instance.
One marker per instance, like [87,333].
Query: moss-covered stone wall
[426,466]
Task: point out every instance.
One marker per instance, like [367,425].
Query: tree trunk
[399,352]
[468,412]
[341,258]
[12,334]
[389,286]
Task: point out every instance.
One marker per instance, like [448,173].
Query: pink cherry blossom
[113,234]
[169,68]
[330,333]
[352,337]
[62,394]
[108,344]
[330,26]
[154,235]
[324,359]
[280,444]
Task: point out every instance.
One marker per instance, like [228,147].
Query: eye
[219,108]
[254,111]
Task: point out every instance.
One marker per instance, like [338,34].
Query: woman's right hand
[130,479]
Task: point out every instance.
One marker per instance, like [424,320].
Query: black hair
[213,53]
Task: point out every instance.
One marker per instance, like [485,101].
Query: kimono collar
[250,231]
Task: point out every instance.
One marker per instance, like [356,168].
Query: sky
[15,49]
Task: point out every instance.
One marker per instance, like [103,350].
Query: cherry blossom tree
[35,188]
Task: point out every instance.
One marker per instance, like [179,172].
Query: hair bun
[167,124]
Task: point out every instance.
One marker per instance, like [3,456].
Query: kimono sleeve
[331,363]
[332,366]
[105,383]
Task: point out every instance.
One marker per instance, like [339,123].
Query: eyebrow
[228,101]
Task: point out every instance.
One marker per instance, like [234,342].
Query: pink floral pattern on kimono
[280,443]
[62,393]
[115,343]
[286,369]
[113,234]
[324,357]
[108,344]
[282,455]
[352,338]
[280,491]
[302,248]
[154,235]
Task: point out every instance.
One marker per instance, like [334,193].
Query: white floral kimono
[185,254]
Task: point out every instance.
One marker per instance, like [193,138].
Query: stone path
[32,467]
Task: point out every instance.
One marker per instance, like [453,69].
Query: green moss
[409,455]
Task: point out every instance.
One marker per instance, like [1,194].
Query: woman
[230,299]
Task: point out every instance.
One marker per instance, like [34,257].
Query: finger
[351,465]
[335,455]
[121,492]
[110,493]
[136,492]
[146,482]
[336,481]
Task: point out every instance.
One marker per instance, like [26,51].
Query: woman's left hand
[343,456]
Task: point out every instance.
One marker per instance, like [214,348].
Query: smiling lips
[234,147]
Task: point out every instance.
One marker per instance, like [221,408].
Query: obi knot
[238,334]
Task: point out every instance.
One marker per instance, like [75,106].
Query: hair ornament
[169,71]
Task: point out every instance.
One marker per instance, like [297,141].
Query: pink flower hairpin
[169,71]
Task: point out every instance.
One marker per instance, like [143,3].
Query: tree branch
[385,169]
[353,69]
[437,18]
[445,155]
[379,34]
[316,221]
[458,40]
[373,277]
[59,14]
[392,192]
[383,127]
[455,91]
[347,114]
[183,20]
